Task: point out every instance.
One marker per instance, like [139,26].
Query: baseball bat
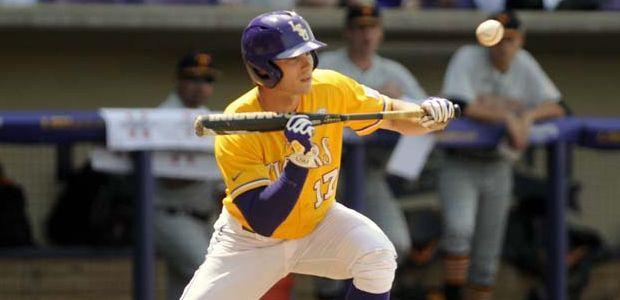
[239,123]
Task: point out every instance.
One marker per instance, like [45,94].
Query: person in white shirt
[186,209]
[502,84]
[360,61]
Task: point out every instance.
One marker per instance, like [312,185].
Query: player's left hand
[298,131]
[439,111]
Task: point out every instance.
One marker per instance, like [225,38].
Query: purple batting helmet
[275,35]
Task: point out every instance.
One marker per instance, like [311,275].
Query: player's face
[297,74]
[364,39]
[194,92]
[505,50]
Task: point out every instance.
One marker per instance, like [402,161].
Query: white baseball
[489,32]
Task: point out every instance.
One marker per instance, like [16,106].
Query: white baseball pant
[242,265]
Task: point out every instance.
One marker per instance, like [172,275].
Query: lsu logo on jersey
[312,159]
[324,184]
[303,33]
[318,156]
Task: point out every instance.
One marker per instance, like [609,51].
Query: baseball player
[500,84]
[279,214]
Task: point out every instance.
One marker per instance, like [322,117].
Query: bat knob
[457,111]
[198,127]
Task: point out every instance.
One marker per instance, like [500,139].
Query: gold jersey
[249,161]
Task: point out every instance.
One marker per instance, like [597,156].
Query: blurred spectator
[15,227]
[186,209]
[502,84]
[360,61]
[94,209]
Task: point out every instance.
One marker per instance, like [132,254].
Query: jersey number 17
[329,179]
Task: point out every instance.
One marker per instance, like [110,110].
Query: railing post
[355,179]
[144,250]
[64,160]
[557,241]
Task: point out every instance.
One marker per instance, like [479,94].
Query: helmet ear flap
[266,78]
[276,74]
[254,74]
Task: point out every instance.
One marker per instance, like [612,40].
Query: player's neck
[274,100]
[361,60]
[499,65]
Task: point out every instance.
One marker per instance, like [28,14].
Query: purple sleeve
[265,208]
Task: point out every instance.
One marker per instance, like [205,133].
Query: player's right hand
[299,129]
[440,109]
[439,112]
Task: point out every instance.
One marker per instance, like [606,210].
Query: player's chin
[305,86]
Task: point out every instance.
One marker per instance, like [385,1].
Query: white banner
[409,156]
[168,164]
[153,129]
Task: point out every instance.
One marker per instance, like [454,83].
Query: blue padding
[568,130]
[467,133]
[464,133]
[602,133]
[51,126]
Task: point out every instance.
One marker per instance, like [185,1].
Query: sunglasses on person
[203,79]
